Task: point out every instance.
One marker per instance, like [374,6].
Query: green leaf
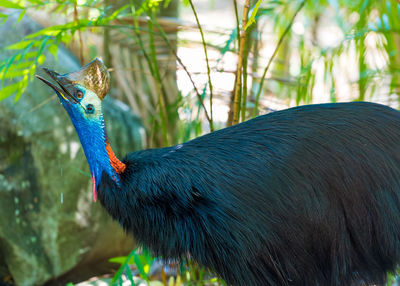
[26,50]
[22,87]
[20,45]
[9,90]
[53,50]
[117,276]
[139,265]
[42,45]
[14,73]
[50,31]
[128,273]
[9,63]
[21,15]
[41,59]
[116,13]
[9,4]
[121,260]
[3,15]
[253,14]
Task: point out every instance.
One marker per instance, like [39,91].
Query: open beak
[62,91]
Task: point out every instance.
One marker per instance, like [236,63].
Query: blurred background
[179,69]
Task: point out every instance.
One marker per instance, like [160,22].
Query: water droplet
[62,198]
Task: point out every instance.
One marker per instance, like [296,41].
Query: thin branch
[274,54]
[208,66]
[174,52]
[236,102]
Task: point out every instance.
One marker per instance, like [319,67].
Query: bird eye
[79,94]
[90,108]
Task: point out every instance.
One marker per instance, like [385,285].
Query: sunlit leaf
[14,73]
[21,15]
[166,3]
[10,4]
[116,13]
[50,31]
[253,14]
[53,50]
[23,84]
[9,90]
[20,45]
[9,63]
[121,260]
[41,59]
[42,45]
[25,53]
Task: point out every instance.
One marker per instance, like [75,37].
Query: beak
[62,91]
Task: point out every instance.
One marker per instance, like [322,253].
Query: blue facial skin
[91,131]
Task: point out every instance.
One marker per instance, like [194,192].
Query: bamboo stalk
[236,102]
[208,66]
[255,111]
[247,47]
[158,83]
[164,36]
[237,22]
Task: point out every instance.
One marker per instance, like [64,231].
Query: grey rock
[49,226]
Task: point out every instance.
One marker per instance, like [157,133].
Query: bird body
[304,196]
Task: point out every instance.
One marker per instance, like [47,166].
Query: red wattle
[94,189]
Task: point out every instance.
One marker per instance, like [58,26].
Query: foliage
[303,63]
[187,274]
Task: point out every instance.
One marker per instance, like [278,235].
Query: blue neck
[93,139]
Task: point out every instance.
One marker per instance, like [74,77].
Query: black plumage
[304,196]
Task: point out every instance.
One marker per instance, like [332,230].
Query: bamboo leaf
[21,15]
[129,274]
[50,31]
[25,52]
[14,73]
[253,14]
[41,59]
[121,260]
[53,50]
[20,45]
[42,45]
[139,265]
[9,63]
[22,87]
[9,90]
[116,13]
[9,4]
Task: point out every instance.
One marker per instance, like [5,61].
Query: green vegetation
[289,53]
[187,274]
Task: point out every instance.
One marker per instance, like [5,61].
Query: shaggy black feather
[304,196]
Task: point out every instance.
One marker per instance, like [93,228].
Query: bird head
[81,93]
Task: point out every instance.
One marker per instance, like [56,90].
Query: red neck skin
[118,166]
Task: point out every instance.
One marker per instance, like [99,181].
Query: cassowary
[305,196]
